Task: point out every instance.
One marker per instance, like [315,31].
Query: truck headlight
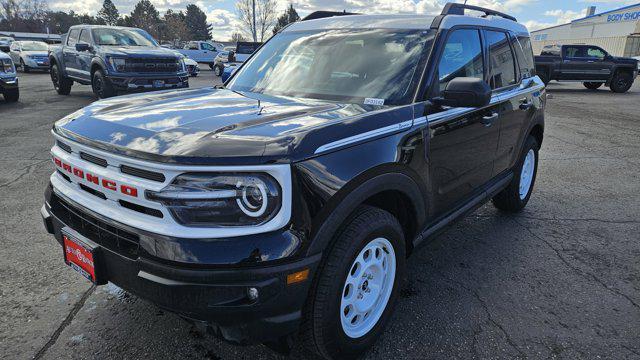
[117,64]
[221,199]
[6,66]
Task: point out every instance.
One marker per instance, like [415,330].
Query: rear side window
[524,54]
[462,57]
[503,65]
[72,39]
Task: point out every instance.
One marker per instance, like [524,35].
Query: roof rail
[326,14]
[458,9]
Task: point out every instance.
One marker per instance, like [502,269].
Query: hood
[207,125]
[624,60]
[139,51]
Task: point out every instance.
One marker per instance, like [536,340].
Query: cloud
[223,22]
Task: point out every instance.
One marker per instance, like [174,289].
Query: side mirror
[83,47]
[466,92]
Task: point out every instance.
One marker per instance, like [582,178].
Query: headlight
[221,200]
[117,64]
[6,66]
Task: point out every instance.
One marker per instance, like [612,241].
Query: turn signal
[297,277]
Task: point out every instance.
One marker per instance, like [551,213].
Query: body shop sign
[628,16]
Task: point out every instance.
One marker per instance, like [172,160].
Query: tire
[101,87]
[337,295]
[217,70]
[621,82]
[544,76]
[60,83]
[592,85]
[515,197]
[211,66]
[24,67]
[12,95]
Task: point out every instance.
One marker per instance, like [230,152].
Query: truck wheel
[102,88]
[12,95]
[60,83]
[217,70]
[592,85]
[544,77]
[211,66]
[24,67]
[357,286]
[621,82]
[516,196]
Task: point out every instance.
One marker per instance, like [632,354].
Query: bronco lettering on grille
[95,179]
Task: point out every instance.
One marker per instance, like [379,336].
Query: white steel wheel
[526,175]
[367,288]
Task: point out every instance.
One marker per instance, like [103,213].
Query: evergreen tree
[196,21]
[290,15]
[146,17]
[109,13]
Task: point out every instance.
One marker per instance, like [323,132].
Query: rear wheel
[24,67]
[102,88]
[60,83]
[357,286]
[621,82]
[516,195]
[592,85]
[544,76]
[12,95]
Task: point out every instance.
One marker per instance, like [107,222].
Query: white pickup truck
[201,51]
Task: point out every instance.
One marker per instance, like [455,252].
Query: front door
[462,141]
[582,62]
[70,54]
[84,57]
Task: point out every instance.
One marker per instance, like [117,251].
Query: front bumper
[42,64]
[216,296]
[140,83]
[8,83]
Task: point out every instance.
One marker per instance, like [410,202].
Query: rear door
[70,54]
[462,144]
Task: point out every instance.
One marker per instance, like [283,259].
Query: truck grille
[151,65]
[115,239]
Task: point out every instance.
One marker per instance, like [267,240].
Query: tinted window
[524,54]
[503,66]
[574,51]
[85,36]
[72,39]
[595,52]
[206,46]
[462,57]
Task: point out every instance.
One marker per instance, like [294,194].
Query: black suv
[284,206]
[114,59]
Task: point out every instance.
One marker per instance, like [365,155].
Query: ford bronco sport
[284,205]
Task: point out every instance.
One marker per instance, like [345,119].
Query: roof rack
[326,14]
[458,9]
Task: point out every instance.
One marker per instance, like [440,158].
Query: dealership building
[616,31]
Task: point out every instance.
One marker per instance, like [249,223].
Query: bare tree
[237,36]
[257,17]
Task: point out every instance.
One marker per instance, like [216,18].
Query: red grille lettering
[129,190]
[111,185]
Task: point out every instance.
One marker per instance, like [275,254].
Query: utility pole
[255,30]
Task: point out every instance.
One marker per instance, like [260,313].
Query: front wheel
[102,88]
[24,67]
[592,85]
[621,82]
[217,70]
[357,286]
[12,95]
[544,77]
[516,195]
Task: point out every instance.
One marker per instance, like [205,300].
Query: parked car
[588,64]
[30,55]
[5,43]
[245,49]
[115,59]
[287,201]
[221,60]
[228,70]
[8,79]
[201,51]
[192,66]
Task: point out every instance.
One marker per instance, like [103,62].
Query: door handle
[489,119]
[525,104]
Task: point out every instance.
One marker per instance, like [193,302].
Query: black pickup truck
[114,59]
[588,64]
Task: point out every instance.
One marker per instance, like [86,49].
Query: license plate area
[82,255]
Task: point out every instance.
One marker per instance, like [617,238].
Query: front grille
[93,159]
[145,174]
[63,146]
[151,65]
[115,239]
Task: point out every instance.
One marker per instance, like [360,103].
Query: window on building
[503,65]
[462,57]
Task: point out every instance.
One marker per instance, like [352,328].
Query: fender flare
[356,192]
[98,61]
[54,58]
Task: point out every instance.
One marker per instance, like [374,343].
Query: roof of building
[17,34]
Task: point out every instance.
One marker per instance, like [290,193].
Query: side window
[462,57]
[72,38]
[503,65]
[574,51]
[207,46]
[193,46]
[85,36]
[524,54]
[594,52]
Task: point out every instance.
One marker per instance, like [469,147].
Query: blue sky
[221,13]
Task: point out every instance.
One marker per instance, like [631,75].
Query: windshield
[34,46]
[122,37]
[341,65]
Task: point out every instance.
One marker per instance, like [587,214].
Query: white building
[616,31]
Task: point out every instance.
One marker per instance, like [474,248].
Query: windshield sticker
[373,101]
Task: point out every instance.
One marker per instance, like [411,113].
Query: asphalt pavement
[559,280]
